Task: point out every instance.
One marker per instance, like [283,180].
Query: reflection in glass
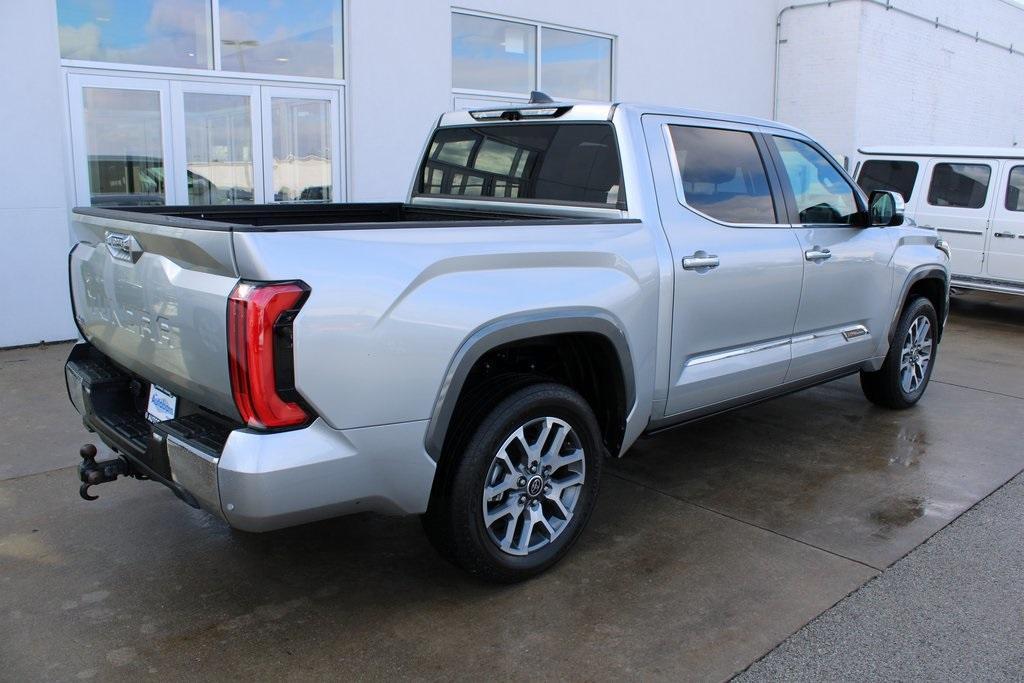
[964,186]
[722,174]
[489,54]
[1015,190]
[575,65]
[302,149]
[577,163]
[124,147]
[298,37]
[157,32]
[218,149]
[822,195]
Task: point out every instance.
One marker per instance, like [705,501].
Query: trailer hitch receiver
[92,472]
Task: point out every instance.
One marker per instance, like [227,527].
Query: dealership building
[150,102]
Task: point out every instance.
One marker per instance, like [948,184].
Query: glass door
[217,138]
[301,145]
[120,140]
[148,141]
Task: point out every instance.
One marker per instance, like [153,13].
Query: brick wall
[855,74]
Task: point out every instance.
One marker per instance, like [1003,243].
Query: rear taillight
[260,316]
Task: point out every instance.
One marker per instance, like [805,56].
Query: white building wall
[34,186]
[850,73]
[854,73]
[707,54]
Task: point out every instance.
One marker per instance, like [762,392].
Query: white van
[974,197]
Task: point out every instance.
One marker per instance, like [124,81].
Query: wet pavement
[710,545]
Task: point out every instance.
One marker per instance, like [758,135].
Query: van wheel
[903,377]
[522,487]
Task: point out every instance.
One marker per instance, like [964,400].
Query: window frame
[771,172]
[620,207]
[993,169]
[1006,192]
[780,168]
[216,70]
[537,65]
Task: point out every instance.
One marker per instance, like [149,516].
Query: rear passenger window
[880,174]
[1015,190]
[963,186]
[722,175]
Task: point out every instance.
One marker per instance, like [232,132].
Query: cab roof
[596,112]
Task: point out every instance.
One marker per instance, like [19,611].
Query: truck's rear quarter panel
[390,308]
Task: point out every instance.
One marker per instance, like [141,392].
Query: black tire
[454,521]
[884,386]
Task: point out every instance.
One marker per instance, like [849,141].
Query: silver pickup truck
[563,279]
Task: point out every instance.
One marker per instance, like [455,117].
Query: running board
[986,285]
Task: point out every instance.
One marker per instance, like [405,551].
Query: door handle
[701,261]
[817,254]
[1005,234]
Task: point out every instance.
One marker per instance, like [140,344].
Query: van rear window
[884,174]
[569,163]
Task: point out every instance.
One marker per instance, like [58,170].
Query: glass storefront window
[302,149]
[174,33]
[124,147]
[491,54]
[297,38]
[575,65]
[218,148]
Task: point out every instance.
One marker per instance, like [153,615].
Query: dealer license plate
[162,404]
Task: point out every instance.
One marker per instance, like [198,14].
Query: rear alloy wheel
[903,377]
[521,488]
[534,484]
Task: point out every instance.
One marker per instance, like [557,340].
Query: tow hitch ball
[92,472]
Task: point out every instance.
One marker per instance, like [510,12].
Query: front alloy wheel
[916,354]
[903,377]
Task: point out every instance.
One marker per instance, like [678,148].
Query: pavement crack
[746,522]
[984,391]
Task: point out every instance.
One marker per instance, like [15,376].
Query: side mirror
[887,208]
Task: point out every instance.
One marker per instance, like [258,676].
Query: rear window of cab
[565,163]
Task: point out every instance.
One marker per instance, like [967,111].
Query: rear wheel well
[933,289]
[584,361]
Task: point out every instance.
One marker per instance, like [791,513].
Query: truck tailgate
[153,297]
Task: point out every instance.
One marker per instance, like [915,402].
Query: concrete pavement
[710,545]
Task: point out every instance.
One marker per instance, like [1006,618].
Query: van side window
[1015,189]
[822,195]
[886,174]
[722,174]
[963,186]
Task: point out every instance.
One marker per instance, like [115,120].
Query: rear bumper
[255,481]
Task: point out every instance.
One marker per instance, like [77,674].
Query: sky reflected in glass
[297,37]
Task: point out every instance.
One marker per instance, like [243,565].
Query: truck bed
[348,216]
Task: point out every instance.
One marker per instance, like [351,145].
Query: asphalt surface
[710,546]
[952,610]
